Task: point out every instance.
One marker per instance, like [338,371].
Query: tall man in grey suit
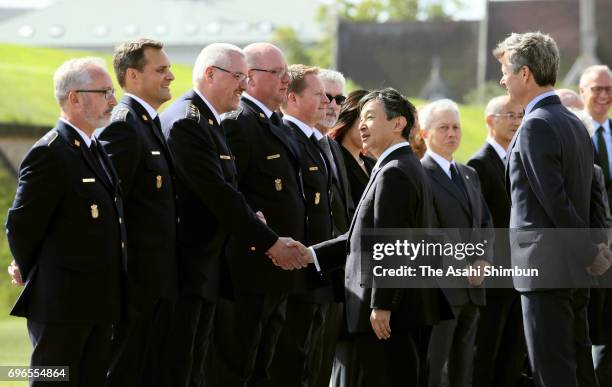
[500,347]
[387,323]
[549,177]
[458,204]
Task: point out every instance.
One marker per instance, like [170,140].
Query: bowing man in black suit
[387,323]
[65,230]
[136,145]
[304,107]
[250,318]
[500,347]
[210,205]
[458,204]
[549,177]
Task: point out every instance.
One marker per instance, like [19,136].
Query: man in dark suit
[500,347]
[387,323]
[249,318]
[330,320]
[304,107]
[211,207]
[549,177]
[136,145]
[66,232]
[596,91]
[458,206]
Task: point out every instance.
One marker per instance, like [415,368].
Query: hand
[306,254]
[15,274]
[288,258]
[261,217]
[602,261]
[380,320]
[477,280]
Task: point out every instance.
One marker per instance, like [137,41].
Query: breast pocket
[158,179]
[274,168]
[92,201]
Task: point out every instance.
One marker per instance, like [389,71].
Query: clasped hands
[289,254]
[602,261]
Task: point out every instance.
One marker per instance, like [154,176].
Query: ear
[73,98]
[400,123]
[291,97]
[489,120]
[423,133]
[208,72]
[131,73]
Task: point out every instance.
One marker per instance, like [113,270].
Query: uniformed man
[66,232]
[247,327]
[210,206]
[136,145]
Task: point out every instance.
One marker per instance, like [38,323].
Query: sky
[472,10]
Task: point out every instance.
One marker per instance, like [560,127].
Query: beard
[328,122]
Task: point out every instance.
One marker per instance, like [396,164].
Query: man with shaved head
[249,321]
[500,347]
[570,99]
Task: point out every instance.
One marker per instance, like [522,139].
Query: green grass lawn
[15,346]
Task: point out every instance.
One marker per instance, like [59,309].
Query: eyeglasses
[601,89]
[279,73]
[509,115]
[237,75]
[108,93]
[339,98]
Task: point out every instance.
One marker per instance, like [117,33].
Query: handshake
[602,261]
[289,254]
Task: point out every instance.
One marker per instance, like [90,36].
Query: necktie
[457,179]
[157,122]
[314,140]
[324,144]
[94,150]
[275,118]
[602,153]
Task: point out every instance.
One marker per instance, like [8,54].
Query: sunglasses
[339,98]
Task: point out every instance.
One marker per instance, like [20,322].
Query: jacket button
[123,245]
[253,248]
[120,220]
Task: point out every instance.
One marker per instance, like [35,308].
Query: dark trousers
[500,341]
[557,335]
[84,348]
[244,339]
[388,363]
[330,321]
[138,343]
[290,365]
[452,342]
[189,337]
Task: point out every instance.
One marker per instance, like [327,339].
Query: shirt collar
[605,124]
[501,152]
[537,99]
[85,137]
[308,131]
[387,152]
[210,106]
[263,107]
[441,161]
[152,112]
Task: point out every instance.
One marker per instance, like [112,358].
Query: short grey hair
[593,70]
[215,54]
[536,50]
[74,74]
[333,76]
[495,105]
[426,113]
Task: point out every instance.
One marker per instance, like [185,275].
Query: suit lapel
[316,156]
[142,114]
[442,178]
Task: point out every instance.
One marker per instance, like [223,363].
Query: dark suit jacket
[397,196]
[356,177]
[144,164]
[549,176]
[210,205]
[490,169]
[452,210]
[269,177]
[66,232]
[342,203]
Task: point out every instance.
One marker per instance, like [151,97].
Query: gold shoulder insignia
[50,137]
[120,114]
[192,112]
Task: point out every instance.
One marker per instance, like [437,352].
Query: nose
[112,101]
[170,75]
[243,84]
